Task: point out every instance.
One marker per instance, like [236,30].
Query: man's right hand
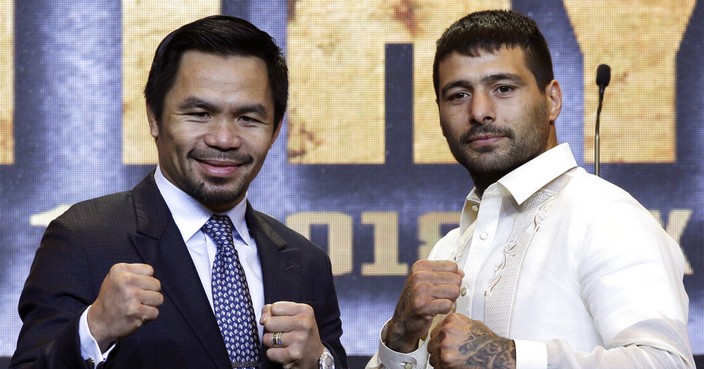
[129,297]
[430,289]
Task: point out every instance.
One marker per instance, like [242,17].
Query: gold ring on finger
[276,339]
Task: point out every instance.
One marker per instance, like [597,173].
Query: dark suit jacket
[80,246]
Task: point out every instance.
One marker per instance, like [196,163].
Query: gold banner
[336,57]
[639,39]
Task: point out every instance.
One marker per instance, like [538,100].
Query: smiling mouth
[222,168]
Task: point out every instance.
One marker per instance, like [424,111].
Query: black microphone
[603,77]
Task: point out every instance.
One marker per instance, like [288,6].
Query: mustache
[479,130]
[208,154]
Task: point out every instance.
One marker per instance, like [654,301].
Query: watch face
[326,360]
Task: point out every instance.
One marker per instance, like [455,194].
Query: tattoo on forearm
[488,352]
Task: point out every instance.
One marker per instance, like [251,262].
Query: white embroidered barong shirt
[569,266]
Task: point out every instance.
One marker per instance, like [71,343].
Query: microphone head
[603,75]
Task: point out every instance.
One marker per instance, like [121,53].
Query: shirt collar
[469,211]
[522,182]
[190,215]
[530,177]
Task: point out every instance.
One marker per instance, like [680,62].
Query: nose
[223,134]
[482,108]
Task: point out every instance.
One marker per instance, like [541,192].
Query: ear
[553,92]
[153,122]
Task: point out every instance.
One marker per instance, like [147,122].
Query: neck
[482,182]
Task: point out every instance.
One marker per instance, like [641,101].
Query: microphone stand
[596,133]
[603,77]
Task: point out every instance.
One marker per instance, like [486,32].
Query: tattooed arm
[460,342]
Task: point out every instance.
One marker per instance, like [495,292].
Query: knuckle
[420,264]
[419,300]
[123,277]
[420,289]
[307,309]
[447,305]
[295,352]
[131,311]
[453,292]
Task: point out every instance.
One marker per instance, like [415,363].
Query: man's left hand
[460,342]
[297,342]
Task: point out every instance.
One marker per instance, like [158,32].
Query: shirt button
[475,207]
[483,236]
[463,291]
[408,366]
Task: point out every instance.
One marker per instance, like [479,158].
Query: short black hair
[491,30]
[221,35]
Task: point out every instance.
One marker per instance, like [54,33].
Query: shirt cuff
[531,355]
[89,346]
[397,360]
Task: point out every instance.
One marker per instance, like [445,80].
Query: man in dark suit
[147,278]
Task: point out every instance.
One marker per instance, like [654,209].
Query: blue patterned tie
[231,299]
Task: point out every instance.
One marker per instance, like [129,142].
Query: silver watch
[326,361]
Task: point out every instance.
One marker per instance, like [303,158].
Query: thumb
[266,313]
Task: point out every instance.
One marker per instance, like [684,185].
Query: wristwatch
[326,361]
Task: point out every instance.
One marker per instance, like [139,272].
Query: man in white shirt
[551,267]
[181,271]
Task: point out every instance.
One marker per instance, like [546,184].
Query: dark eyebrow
[252,108]
[453,84]
[486,79]
[195,102]
[503,76]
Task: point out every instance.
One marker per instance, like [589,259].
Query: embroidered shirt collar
[530,177]
[522,182]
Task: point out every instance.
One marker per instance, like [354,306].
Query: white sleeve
[531,355]
[631,282]
[390,359]
[561,355]
[89,346]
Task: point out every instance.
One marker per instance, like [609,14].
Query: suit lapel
[159,242]
[280,261]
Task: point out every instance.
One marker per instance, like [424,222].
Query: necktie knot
[219,228]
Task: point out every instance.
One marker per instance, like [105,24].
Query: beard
[216,190]
[525,141]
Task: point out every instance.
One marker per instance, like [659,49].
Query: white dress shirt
[190,216]
[600,280]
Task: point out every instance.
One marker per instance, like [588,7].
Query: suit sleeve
[329,323]
[59,287]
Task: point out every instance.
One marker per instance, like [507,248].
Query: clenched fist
[129,297]
[430,289]
[297,332]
